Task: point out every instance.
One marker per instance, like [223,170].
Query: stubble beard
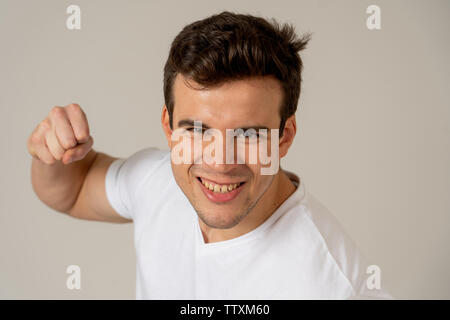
[214,221]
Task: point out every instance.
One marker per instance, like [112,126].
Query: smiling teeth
[220,188]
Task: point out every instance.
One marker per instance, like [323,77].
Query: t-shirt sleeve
[347,256]
[124,178]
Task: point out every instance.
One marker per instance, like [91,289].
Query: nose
[218,151]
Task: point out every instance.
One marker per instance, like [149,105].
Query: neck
[279,190]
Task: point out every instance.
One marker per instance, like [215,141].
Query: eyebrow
[190,123]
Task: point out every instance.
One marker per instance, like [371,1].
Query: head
[231,71]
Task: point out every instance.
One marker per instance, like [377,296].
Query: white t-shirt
[299,252]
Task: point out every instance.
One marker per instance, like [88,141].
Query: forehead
[237,103]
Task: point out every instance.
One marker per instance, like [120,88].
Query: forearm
[58,185]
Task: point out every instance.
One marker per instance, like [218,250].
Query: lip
[218,182]
[217,196]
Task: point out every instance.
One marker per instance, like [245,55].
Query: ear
[289,131]
[166,125]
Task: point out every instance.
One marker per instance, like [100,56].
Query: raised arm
[66,173]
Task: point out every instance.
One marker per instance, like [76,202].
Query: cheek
[258,180]
[259,154]
[181,174]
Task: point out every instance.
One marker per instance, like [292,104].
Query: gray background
[373,142]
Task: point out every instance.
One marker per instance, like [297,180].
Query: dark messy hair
[230,46]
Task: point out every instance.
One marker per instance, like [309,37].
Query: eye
[198,130]
[249,133]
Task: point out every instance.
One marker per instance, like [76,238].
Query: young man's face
[236,188]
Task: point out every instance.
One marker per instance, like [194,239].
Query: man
[213,229]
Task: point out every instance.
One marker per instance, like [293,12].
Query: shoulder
[147,156]
[143,162]
[129,174]
[337,252]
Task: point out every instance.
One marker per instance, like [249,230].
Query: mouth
[220,192]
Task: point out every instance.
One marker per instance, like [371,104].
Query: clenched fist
[62,136]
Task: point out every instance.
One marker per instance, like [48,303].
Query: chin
[219,216]
[219,221]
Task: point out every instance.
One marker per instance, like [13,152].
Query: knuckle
[56,112]
[75,107]
[83,136]
[35,139]
[57,155]
[45,124]
[68,143]
[68,154]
